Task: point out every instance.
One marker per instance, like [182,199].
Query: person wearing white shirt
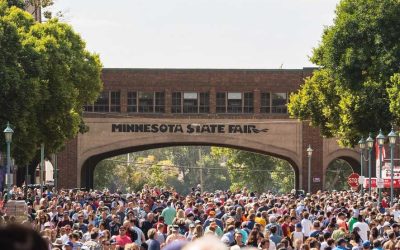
[364,228]
[396,212]
[306,225]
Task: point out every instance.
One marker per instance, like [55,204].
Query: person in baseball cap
[366,244]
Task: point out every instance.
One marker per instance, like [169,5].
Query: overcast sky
[200,33]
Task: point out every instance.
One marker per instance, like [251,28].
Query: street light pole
[309,154]
[381,140]
[361,144]
[8,132]
[370,145]
[392,141]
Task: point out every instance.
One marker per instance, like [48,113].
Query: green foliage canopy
[46,76]
[356,89]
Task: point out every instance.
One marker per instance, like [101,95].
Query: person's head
[160,227]
[175,229]
[376,244]
[238,237]
[297,243]
[341,242]
[298,227]
[13,236]
[366,245]
[122,231]
[67,229]
[151,233]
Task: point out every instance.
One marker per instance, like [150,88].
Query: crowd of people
[160,218]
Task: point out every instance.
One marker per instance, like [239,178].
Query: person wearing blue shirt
[341,244]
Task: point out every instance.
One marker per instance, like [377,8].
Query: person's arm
[143,238]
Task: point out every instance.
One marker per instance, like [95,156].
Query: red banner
[396,183]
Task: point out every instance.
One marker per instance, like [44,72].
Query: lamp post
[8,133]
[392,141]
[361,144]
[370,145]
[309,154]
[380,138]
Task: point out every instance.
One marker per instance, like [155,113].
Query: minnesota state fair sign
[187,129]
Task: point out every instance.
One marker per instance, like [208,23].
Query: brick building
[246,109]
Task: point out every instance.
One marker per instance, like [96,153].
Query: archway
[87,170]
[337,172]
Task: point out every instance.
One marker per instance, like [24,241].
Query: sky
[248,34]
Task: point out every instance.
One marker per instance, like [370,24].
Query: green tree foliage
[255,171]
[180,168]
[355,90]
[46,76]
[336,175]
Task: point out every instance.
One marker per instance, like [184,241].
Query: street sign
[352,180]
[361,180]
[380,183]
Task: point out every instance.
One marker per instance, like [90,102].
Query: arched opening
[336,174]
[291,173]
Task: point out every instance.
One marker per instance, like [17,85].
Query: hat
[47,224]
[386,224]
[366,244]
[298,225]
[192,225]
[341,241]
[57,243]
[197,221]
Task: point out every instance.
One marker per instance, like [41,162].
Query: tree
[255,171]
[336,175]
[46,77]
[355,90]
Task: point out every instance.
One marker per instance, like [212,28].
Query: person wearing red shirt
[286,226]
[122,239]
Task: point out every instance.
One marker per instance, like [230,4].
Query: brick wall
[312,137]
[67,165]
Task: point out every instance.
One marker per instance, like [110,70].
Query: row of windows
[190,102]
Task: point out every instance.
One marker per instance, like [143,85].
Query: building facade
[247,109]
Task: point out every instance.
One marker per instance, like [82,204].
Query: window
[190,102]
[279,101]
[265,102]
[248,102]
[132,102]
[234,102]
[115,101]
[221,102]
[176,102]
[146,102]
[160,102]
[88,108]
[102,104]
[204,103]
